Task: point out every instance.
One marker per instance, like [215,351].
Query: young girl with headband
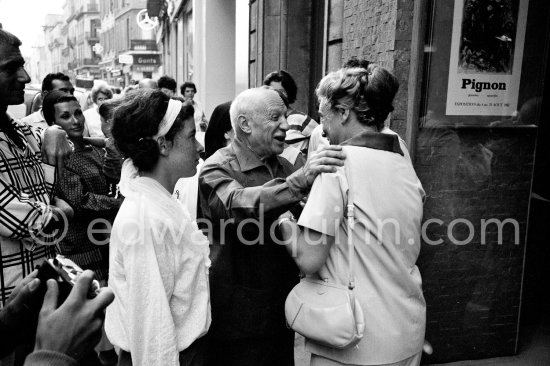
[158,257]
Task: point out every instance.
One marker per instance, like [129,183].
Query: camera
[65,272]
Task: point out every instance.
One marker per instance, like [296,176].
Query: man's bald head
[148,84]
[253,103]
[258,116]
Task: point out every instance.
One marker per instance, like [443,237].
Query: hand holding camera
[73,328]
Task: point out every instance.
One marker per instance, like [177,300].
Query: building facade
[55,41]
[129,53]
[198,43]
[83,23]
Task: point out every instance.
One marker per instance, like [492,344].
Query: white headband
[174,108]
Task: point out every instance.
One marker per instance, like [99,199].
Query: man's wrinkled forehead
[271,102]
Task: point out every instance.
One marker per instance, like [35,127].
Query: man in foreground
[243,188]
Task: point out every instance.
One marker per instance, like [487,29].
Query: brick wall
[473,290]
[381,31]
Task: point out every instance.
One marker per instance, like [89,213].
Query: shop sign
[486,57]
[145,59]
[142,68]
[125,59]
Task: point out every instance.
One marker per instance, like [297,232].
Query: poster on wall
[486,56]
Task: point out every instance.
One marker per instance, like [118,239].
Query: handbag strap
[351,225]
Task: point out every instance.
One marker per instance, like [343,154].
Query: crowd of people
[197,229]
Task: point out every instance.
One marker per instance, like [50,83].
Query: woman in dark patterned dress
[85,188]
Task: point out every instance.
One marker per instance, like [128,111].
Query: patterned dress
[85,188]
[26,185]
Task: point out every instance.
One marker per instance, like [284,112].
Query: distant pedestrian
[188,91]
[52,81]
[167,85]
[101,93]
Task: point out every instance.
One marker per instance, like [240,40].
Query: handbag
[324,312]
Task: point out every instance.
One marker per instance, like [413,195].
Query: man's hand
[324,160]
[19,316]
[56,148]
[73,328]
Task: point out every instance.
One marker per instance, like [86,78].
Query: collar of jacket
[376,140]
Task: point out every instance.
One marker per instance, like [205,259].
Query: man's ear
[243,123]
[164,146]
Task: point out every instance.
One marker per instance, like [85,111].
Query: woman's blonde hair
[369,92]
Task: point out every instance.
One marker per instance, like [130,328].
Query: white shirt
[93,122]
[158,270]
[36,119]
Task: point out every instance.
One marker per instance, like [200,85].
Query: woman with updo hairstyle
[379,188]
[158,257]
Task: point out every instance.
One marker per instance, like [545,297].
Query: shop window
[483,73]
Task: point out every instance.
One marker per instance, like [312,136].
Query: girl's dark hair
[50,100]
[286,81]
[219,124]
[136,121]
[107,109]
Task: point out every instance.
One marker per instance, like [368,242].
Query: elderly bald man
[148,84]
[243,188]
